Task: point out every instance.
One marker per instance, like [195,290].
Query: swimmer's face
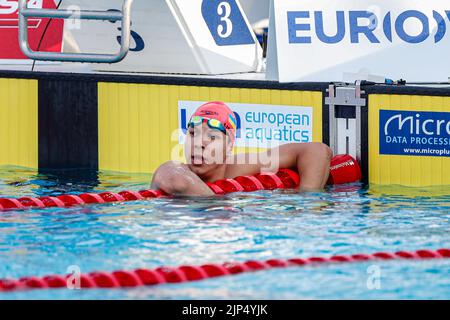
[206,149]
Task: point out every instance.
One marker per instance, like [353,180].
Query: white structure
[328,40]
[167,36]
[171,36]
[256,10]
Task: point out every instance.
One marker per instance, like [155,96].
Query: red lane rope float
[186,273]
[343,169]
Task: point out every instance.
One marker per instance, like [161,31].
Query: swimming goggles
[212,123]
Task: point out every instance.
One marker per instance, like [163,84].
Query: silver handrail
[125,16]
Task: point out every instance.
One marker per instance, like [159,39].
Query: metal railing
[124,16]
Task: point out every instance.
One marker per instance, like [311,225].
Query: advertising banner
[261,126]
[415,133]
[325,40]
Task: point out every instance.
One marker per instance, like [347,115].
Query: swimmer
[211,133]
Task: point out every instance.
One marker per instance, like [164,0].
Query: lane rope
[188,273]
[343,169]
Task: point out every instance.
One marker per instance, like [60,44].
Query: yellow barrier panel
[405,170]
[19,127]
[137,121]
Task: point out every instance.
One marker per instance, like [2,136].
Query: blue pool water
[238,227]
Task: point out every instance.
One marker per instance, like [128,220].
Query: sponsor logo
[415,133]
[348,163]
[261,126]
[363,26]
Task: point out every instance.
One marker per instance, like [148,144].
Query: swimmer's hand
[175,178]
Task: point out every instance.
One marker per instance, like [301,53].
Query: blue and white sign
[415,133]
[226,22]
[323,40]
[258,125]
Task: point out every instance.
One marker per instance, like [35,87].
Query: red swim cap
[219,111]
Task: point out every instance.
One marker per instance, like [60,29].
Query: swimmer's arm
[311,160]
[175,178]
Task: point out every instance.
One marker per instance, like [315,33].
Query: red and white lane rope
[188,273]
[343,169]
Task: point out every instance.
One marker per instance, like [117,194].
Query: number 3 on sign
[224,12]
[226,22]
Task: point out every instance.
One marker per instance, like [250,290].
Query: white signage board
[259,125]
[322,40]
[172,36]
